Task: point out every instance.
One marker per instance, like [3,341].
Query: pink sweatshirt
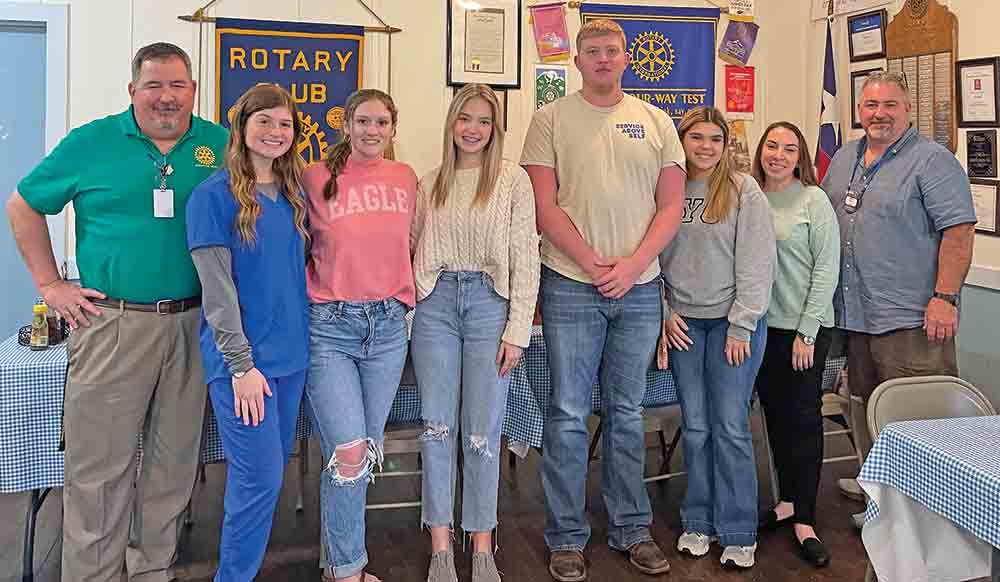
[361,237]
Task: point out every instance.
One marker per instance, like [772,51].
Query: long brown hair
[723,183]
[287,168]
[337,158]
[492,153]
[804,170]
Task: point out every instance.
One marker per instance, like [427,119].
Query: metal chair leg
[34,506]
[303,467]
[771,471]
[595,441]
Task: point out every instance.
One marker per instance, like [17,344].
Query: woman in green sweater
[799,333]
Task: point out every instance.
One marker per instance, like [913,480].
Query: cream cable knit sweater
[500,240]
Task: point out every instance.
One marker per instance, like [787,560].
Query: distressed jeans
[456,336]
[356,356]
[721,497]
[588,336]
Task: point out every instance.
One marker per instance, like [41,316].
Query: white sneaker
[739,556]
[694,543]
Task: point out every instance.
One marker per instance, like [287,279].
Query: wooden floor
[398,549]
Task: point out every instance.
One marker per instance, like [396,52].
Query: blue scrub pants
[256,457]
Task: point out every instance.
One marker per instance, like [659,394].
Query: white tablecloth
[934,509]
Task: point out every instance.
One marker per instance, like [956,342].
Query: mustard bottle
[40,328]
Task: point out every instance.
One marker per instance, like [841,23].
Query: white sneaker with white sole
[739,556]
[694,543]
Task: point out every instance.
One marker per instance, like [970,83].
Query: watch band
[807,339]
[952,298]
[239,375]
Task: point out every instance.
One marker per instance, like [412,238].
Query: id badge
[163,203]
[850,200]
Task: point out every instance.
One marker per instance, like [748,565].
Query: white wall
[976,38]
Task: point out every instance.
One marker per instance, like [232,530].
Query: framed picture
[984,197]
[484,43]
[857,81]
[977,89]
[501,97]
[866,35]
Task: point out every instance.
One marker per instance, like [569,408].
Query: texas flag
[829,117]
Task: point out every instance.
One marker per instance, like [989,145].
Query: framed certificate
[978,92]
[984,197]
[981,153]
[484,43]
[857,81]
[866,36]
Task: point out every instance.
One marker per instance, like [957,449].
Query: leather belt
[162,307]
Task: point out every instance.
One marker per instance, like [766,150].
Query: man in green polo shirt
[134,363]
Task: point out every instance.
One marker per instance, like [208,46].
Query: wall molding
[985,277]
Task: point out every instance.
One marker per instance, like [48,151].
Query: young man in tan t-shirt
[607,171]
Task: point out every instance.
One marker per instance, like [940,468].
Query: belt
[162,307]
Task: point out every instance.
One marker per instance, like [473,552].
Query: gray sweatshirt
[221,302]
[723,269]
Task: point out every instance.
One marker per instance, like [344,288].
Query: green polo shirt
[108,170]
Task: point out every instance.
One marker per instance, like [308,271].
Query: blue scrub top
[270,278]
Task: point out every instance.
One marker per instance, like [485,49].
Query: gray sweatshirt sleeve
[222,307]
[755,260]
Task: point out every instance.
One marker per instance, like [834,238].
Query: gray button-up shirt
[889,246]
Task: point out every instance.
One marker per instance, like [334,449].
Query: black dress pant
[792,404]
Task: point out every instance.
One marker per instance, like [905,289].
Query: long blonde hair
[492,153]
[337,158]
[287,168]
[723,184]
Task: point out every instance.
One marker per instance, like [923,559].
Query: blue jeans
[356,356]
[587,334]
[721,498]
[456,336]
[256,457]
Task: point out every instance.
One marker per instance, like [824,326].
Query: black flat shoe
[769,520]
[813,551]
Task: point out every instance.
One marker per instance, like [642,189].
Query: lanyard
[163,168]
[852,199]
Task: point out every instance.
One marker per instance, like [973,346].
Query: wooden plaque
[922,43]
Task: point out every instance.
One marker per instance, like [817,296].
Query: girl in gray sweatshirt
[717,272]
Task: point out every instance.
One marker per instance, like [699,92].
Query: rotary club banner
[319,64]
[672,53]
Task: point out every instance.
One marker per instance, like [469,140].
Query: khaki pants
[873,359]
[130,371]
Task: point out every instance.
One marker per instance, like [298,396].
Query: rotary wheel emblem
[652,56]
[204,155]
[312,144]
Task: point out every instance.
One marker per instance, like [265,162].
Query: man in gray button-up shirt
[906,226]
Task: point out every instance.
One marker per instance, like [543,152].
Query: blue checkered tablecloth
[531,391]
[949,466]
[31,399]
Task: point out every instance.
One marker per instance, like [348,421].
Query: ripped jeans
[356,356]
[456,336]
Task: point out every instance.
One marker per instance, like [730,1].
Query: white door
[22,145]
[33,110]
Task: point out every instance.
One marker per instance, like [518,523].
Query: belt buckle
[163,302]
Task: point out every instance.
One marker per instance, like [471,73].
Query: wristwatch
[807,339]
[239,375]
[949,297]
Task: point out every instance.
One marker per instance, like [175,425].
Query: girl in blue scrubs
[246,234]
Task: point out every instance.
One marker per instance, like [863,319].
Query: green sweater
[808,240]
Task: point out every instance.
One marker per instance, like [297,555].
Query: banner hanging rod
[576,4]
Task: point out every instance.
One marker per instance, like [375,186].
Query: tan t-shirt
[607,162]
